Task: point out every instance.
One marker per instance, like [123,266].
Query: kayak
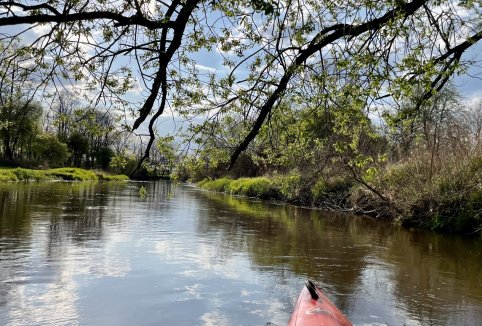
[314,308]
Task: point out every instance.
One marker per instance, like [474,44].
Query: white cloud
[205,68]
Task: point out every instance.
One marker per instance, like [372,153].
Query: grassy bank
[446,199]
[260,187]
[69,174]
[450,201]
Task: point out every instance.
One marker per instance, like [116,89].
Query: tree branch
[322,39]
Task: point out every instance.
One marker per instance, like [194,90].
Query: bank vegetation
[64,174]
[424,170]
[344,107]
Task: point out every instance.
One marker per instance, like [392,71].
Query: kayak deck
[314,308]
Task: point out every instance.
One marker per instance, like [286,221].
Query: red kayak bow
[314,308]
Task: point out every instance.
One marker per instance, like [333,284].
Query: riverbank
[449,202]
[67,174]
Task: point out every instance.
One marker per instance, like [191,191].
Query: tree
[20,124]
[79,146]
[61,116]
[50,151]
[20,113]
[368,50]
[435,130]
[91,135]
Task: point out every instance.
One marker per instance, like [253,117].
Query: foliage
[8,175]
[69,174]
[104,156]
[123,162]
[142,192]
[74,174]
[334,190]
[79,146]
[218,185]
[448,201]
[28,175]
[251,187]
[358,53]
[20,119]
[50,151]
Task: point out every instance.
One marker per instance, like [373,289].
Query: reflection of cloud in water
[194,290]
[206,269]
[268,308]
[112,263]
[214,318]
[47,293]
[52,303]
[204,256]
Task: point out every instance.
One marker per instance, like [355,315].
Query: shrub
[27,174]
[447,199]
[289,185]
[259,187]
[219,185]
[73,174]
[7,175]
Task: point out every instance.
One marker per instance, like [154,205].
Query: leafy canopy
[357,52]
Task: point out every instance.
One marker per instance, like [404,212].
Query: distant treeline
[59,132]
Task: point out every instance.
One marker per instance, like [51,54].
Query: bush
[48,149]
[289,185]
[7,175]
[259,187]
[448,199]
[219,185]
[27,174]
[73,174]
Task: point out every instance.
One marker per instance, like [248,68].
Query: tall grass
[448,199]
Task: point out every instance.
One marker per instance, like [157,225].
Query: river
[100,254]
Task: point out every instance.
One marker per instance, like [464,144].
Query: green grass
[7,175]
[72,174]
[259,187]
[68,174]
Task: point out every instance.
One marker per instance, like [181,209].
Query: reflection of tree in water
[78,216]
[433,276]
[283,240]
[15,221]
[74,210]
[156,196]
[438,277]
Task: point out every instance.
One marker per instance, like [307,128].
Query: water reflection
[375,271]
[94,254]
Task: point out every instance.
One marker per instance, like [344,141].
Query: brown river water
[99,254]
